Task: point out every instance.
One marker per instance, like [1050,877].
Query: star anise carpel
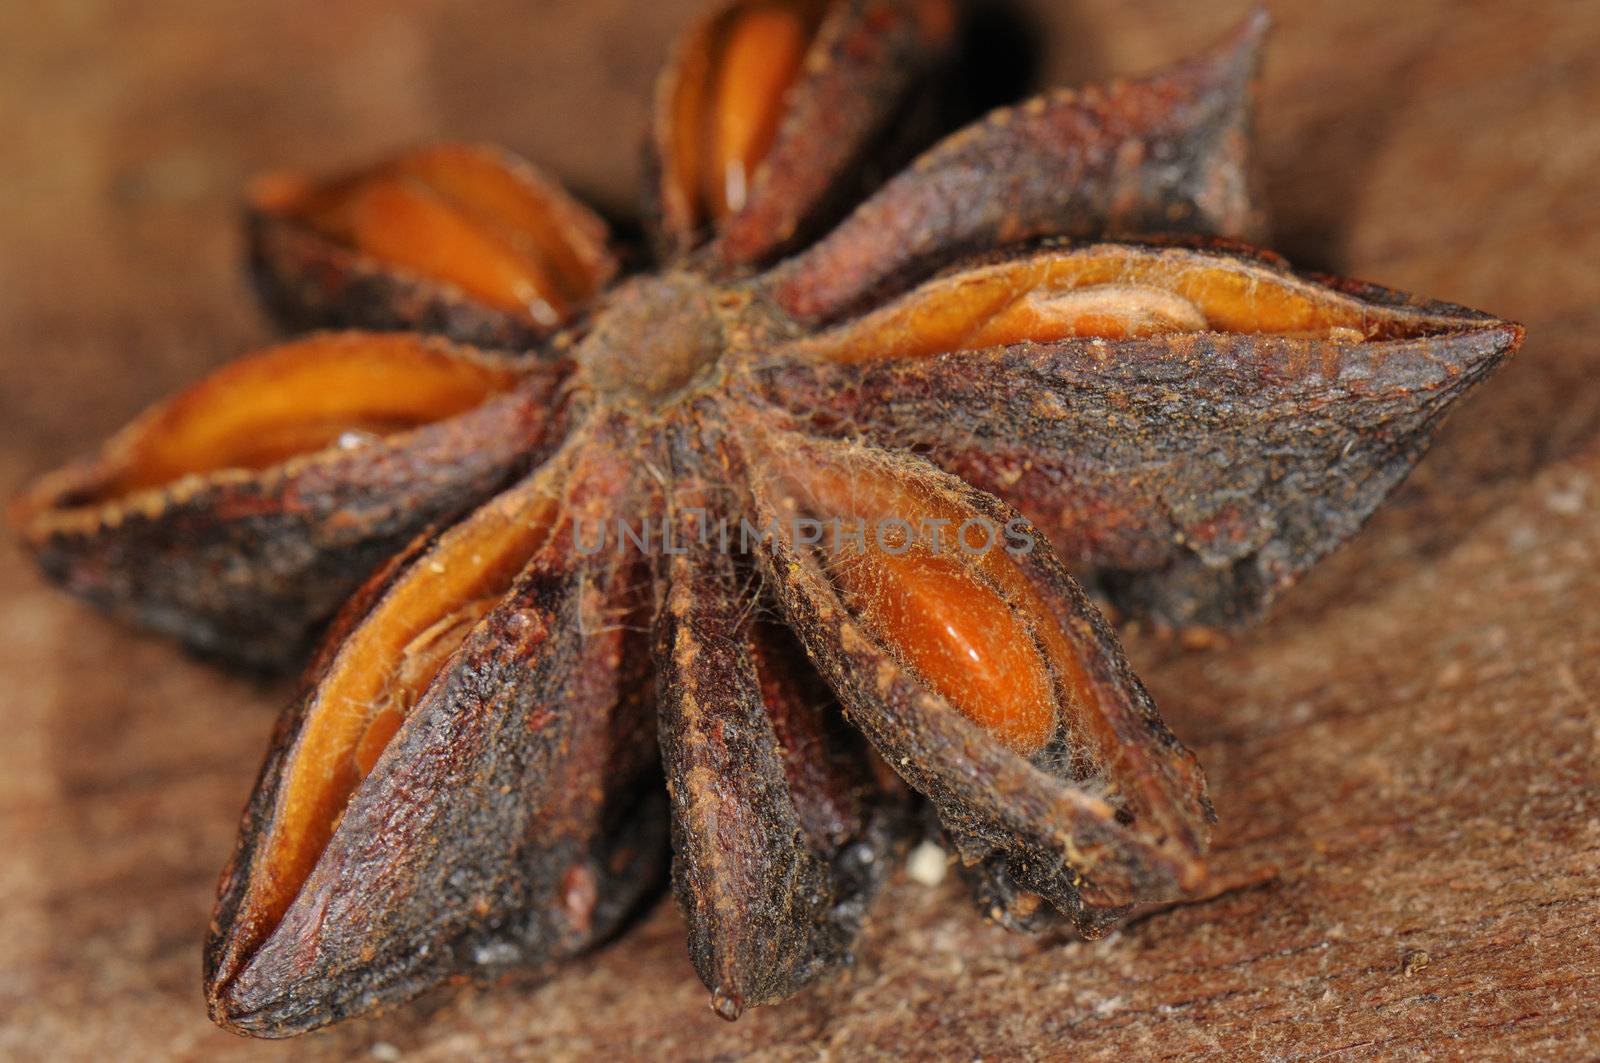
[757,561]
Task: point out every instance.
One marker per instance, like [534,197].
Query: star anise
[719,509]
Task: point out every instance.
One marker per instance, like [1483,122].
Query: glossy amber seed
[730,101]
[761,57]
[465,217]
[288,401]
[950,604]
[407,224]
[1104,291]
[960,636]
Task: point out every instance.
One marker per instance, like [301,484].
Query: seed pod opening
[468,784]
[966,621]
[726,102]
[1193,427]
[390,645]
[244,511]
[980,671]
[450,238]
[327,393]
[768,107]
[1108,291]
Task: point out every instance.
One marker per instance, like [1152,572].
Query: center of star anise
[655,335]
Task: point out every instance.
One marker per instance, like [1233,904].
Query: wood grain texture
[1411,740]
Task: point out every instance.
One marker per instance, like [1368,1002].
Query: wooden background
[1411,740]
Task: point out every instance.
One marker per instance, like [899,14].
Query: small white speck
[927,864]
[1567,502]
[355,439]
[384,1051]
[496,954]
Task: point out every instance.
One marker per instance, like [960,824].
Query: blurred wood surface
[1411,741]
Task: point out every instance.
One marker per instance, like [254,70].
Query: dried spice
[244,511]
[461,239]
[742,562]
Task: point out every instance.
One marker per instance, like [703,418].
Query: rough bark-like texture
[1188,511]
[1410,740]
[1164,154]
[1135,832]
[248,566]
[503,828]
[772,871]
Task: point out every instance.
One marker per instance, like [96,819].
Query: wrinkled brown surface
[1410,739]
[312,528]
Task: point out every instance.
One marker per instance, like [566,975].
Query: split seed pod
[1193,426]
[242,513]
[979,670]
[1161,154]
[466,787]
[464,240]
[766,105]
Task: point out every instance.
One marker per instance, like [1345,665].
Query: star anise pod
[797,509]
